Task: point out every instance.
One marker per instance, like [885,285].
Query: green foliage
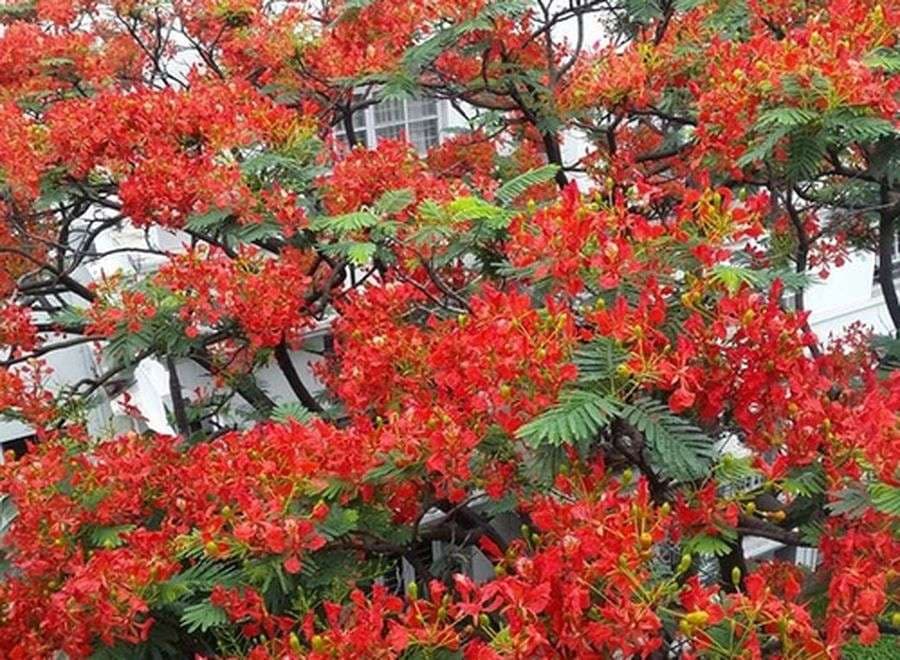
[209,221]
[475,208]
[677,448]
[851,502]
[643,11]
[515,187]
[201,577]
[808,134]
[292,410]
[805,482]
[885,498]
[393,201]
[108,537]
[577,417]
[200,617]
[598,360]
[889,350]
[735,471]
[340,521]
[886,59]
[731,18]
[886,648]
[346,223]
[710,546]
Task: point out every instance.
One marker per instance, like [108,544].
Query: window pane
[389,112]
[389,132]
[359,119]
[423,134]
[342,137]
[421,108]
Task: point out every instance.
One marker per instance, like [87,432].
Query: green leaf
[733,277]
[515,187]
[578,416]
[811,532]
[850,502]
[361,253]
[108,537]
[599,359]
[291,410]
[805,482]
[8,512]
[339,522]
[736,470]
[885,498]
[785,116]
[764,147]
[703,544]
[342,224]
[863,128]
[474,208]
[212,219]
[203,616]
[643,11]
[886,59]
[889,350]
[200,577]
[393,201]
[805,152]
[677,448]
[71,317]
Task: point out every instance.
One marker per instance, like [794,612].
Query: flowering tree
[597,376]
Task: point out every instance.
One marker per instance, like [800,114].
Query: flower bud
[697,618]
[412,590]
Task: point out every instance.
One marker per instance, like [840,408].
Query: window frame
[369,130]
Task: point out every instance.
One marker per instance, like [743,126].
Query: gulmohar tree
[612,352]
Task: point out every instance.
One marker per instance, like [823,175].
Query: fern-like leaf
[203,616]
[885,498]
[515,187]
[677,447]
[343,224]
[578,416]
[598,360]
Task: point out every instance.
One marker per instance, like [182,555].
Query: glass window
[415,120]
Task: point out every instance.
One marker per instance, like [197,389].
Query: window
[418,120]
[16,445]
